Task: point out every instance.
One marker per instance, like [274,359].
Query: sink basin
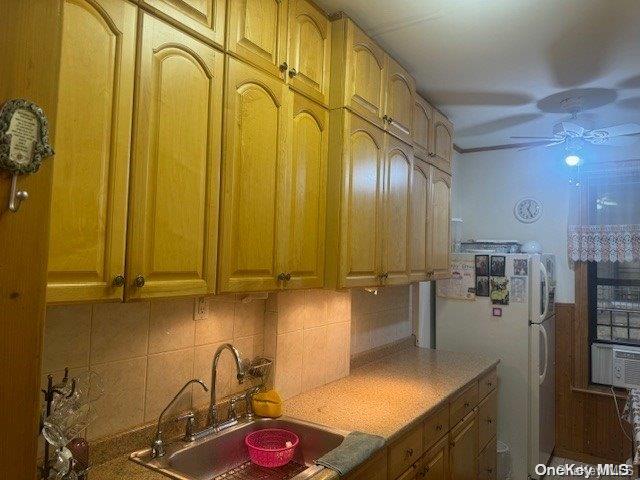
[226,453]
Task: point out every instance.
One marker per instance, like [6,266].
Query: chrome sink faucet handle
[157,446]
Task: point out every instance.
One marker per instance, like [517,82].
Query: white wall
[486,187]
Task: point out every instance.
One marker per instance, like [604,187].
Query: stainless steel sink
[224,455]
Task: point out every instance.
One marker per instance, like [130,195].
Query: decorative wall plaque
[24,143]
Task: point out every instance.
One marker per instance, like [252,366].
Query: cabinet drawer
[436,426]
[488,462]
[463,403]
[487,383]
[487,415]
[412,472]
[405,452]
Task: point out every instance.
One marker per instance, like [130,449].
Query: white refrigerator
[523,337]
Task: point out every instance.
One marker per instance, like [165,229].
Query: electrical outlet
[201,309]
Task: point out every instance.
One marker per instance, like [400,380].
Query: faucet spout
[240,373]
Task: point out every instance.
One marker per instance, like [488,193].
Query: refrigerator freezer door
[542,384]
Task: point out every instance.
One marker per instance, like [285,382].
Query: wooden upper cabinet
[422,124]
[439,224]
[441,142]
[400,101]
[306,194]
[92,140]
[355,202]
[205,18]
[172,238]
[419,221]
[253,192]
[257,33]
[309,58]
[397,211]
[463,449]
[359,72]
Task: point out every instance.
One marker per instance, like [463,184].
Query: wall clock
[528,210]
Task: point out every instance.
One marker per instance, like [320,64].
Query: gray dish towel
[354,450]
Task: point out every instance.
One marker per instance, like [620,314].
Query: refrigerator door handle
[545,292]
[543,375]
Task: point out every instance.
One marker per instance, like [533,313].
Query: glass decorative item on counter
[68,410]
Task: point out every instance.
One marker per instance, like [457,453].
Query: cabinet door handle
[489,420]
[282,277]
[139,281]
[390,120]
[408,452]
[466,405]
[287,277]
[489,384]
[438,427]
[118,281]
[385,118]
[284,66]
[293,72]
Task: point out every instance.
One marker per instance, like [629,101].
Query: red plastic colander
[271,447]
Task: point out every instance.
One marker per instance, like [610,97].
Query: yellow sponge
[267,404]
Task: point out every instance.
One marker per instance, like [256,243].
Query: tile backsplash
[146,351]
[308,331]
[378,320]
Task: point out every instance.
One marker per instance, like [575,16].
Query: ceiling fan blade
[569,129]
[622,141]
[540,138]
[615,130]
[540,144]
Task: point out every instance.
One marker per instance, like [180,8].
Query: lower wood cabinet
[436,462]
[463,449]
[487,462]
[373,469]
[404,452]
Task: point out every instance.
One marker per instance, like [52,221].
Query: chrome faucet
[157,447]
[240,373]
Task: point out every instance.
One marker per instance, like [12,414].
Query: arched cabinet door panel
[400,101]
[442,142]
[419,221]
[309,50]
[439,221]
[362,203]
[254,208]
[172,241]
[422,124]
[92,141]
[303,240]
[397,211]
[257,33]
[205,18]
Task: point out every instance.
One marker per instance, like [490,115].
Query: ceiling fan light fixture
[572,160]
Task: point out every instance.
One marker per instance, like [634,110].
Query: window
[614,287]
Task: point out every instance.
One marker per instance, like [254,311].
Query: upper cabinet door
[440,224]
[91,167]
[205,18]
[442,141]
[254,205]
[400,101]
[306,194]
[422,123]
[364,73]
[257,33]
[397,181]
[309,50]
[361,204]
[419,214]
[175,174]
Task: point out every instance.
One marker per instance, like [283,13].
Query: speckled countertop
[385,398]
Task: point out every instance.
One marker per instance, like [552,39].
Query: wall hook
[16,197]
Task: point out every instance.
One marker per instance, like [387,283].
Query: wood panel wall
[587,427]
[30,39]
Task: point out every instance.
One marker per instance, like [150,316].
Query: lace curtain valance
[604,220]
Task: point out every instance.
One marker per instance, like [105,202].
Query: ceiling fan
[573,135]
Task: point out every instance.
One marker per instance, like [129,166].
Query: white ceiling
[500,67]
